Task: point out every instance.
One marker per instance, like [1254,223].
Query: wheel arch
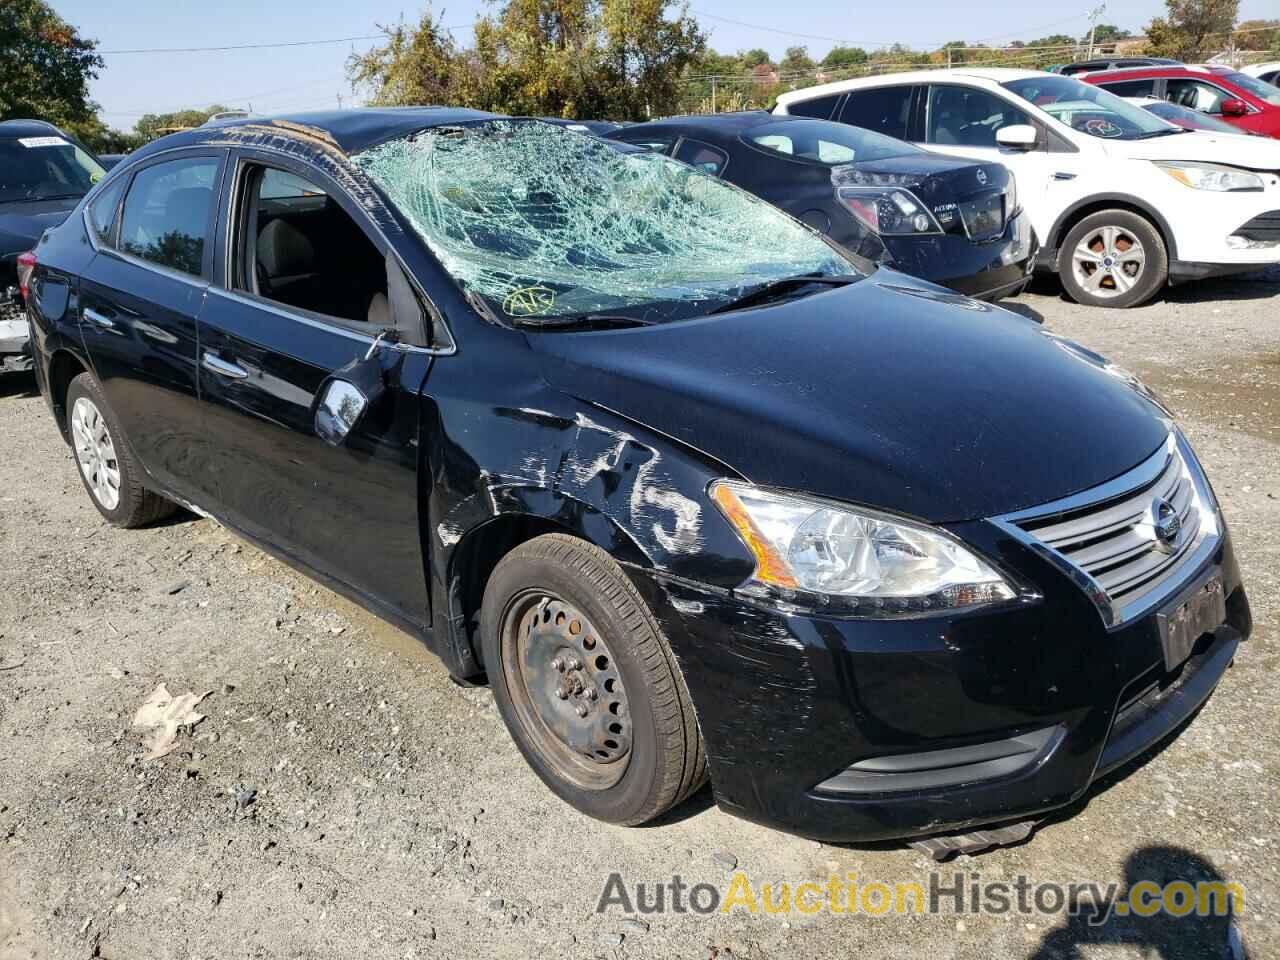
[64,366]
[1096,203]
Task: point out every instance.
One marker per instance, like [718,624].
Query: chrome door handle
[215,364]
[94,316]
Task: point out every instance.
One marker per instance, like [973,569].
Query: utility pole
[713,94]
[339,101]
[1094,14]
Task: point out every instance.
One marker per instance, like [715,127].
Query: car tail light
[26,267]
[888,212]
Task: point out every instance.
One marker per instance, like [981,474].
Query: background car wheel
[586,682]
[102,456]
[1113,258]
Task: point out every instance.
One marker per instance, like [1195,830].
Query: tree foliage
[569,58]
[45,66]
[838,58]
[1192,29]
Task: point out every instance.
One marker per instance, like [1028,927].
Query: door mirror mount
[1234,107]
[344,398]
[1018,136]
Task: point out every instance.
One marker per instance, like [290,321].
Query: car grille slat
[1114,541]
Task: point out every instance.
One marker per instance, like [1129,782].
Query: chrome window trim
[1116,616]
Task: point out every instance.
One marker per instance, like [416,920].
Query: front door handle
[95,317]
[215,364]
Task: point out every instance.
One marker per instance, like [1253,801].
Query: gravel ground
[343,799]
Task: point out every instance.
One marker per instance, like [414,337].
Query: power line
[260,46]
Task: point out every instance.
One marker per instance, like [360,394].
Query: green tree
[796,63]
[1193,29]
[841,58]
[753,58]
[1257,35]
[414,65]
[1107,33]
[154,125]
[45,65]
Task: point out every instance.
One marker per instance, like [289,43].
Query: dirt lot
[343,799]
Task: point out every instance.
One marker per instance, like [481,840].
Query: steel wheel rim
[1109,262]
[96,453]
[566,690]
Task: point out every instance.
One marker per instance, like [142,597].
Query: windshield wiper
[776,289]
[1152,134]
[580,320]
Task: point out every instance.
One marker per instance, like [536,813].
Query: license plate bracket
[1198,610]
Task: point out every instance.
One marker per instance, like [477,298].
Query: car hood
[889,392]
[1237,150]
[21,224]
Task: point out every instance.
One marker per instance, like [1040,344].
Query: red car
[1241,100]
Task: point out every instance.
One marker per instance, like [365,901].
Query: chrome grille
[1122,537]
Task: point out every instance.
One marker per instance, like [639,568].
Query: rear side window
[820,108]
[102,212]
[1131,88]
[883,110]
[1197,95]
[166,213]
[658,144]
[825,142]
[968,117]
[703,156]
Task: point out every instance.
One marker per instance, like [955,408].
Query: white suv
[1120,200]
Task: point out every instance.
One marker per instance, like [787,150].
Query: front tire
[586,682]
[107,468]
[1113,258]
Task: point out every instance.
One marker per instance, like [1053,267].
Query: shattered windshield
[544,222]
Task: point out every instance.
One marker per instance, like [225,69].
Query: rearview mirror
[1019,136]
[1234,107]
[345,397]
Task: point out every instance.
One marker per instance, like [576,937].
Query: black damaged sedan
[701,494]
[950,220]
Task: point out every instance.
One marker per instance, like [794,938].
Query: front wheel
[1113,258]
[586,682]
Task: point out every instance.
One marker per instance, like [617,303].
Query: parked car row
[702,493]
[1245,102]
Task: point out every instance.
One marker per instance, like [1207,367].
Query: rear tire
[586,682]
[1113,258]
[106,466]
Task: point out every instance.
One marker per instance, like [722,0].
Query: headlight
[1011,196]
[873,564]
[1208,176]
[893,212]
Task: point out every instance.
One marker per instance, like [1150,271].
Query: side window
[1272,77]
[819,107]
[102,212]
[1196,94]
[166,213]
[703,156]
[1131,88]
[654,142]
[882,109]
[299,248]
[967,117]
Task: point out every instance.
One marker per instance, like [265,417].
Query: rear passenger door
[302,290]
[139,300]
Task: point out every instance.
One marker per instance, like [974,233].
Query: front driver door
[303,292]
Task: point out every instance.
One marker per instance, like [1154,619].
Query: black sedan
[699,495]
[43,175]
[947,219]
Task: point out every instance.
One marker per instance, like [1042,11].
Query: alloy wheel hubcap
[566,686]
[96,453]
[1109,261]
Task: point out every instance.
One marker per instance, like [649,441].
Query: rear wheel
[108,470]
[1113,258]
[586,682]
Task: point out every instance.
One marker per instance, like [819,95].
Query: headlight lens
[1011,196]
[1208,176]
[869,562]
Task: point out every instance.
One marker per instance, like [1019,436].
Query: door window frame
[431,334]
[703,145]
[207,261]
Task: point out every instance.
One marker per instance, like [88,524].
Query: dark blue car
[698,492]
[950,220]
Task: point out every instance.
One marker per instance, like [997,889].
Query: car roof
[351,130]
[728,124]
[1167,70]
[995,75]
[28,128]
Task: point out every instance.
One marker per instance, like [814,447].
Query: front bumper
[788,702]
[988,270]
[15,338]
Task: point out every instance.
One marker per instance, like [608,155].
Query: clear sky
[312,77]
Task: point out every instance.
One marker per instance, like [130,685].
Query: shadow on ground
[17,385]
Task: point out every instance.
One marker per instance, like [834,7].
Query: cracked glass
[545,222]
